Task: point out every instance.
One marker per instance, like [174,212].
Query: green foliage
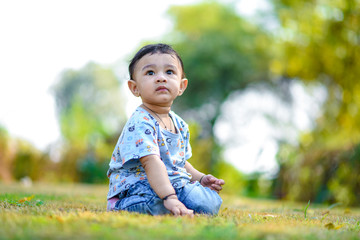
[257,185]
[318,41]
[89,102]
[306,208]
[78,126]
[91,113]
[24,202]
[29,162]
[235,182]
[20,159]
[221,53]
[202,149]
[320,175]
[91,170]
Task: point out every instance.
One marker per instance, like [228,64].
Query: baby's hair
[152,49]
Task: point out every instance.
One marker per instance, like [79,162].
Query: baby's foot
[111,203]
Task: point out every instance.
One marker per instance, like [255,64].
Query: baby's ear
[133,88]
[183,86]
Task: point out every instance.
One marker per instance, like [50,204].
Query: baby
[149,171]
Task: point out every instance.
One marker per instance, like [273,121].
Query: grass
[78,211]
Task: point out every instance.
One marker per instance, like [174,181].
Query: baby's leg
[201,199]
[141,198]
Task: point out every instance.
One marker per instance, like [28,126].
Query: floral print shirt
[142,136]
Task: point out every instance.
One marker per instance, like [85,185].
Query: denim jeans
[141,198]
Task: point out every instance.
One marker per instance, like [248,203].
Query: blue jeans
[141,198]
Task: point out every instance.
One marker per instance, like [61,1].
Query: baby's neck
[162,111]
[163,116]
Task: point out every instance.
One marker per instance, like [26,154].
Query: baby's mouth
[162,88]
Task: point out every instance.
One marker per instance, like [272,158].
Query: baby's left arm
[205,180]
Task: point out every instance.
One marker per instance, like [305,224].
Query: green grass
[78,212]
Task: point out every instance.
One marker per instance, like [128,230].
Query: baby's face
[157,79]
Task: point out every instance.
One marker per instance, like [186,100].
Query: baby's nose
[161,78]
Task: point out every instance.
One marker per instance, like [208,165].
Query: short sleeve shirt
[142,136]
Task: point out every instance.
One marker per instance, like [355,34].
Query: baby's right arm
[159,181]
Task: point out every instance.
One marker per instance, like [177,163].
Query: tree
[319,42]
[91,113]
[94,91]
[222,53]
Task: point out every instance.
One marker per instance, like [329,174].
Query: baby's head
[152,49]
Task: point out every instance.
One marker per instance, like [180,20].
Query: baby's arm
[206,180]
[159,181]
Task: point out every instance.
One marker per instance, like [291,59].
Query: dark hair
[152,49]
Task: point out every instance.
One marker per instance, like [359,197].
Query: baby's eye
[150,73]
[169,72]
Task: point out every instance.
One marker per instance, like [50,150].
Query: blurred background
[273,100]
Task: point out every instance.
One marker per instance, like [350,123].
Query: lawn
[74,211]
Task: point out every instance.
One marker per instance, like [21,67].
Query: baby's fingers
[176,211]
[182,211]
[216,187]
[220,182]
[187,212]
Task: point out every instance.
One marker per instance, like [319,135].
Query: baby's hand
[177,208]
[212,182]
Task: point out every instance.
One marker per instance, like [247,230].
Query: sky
[41,38]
